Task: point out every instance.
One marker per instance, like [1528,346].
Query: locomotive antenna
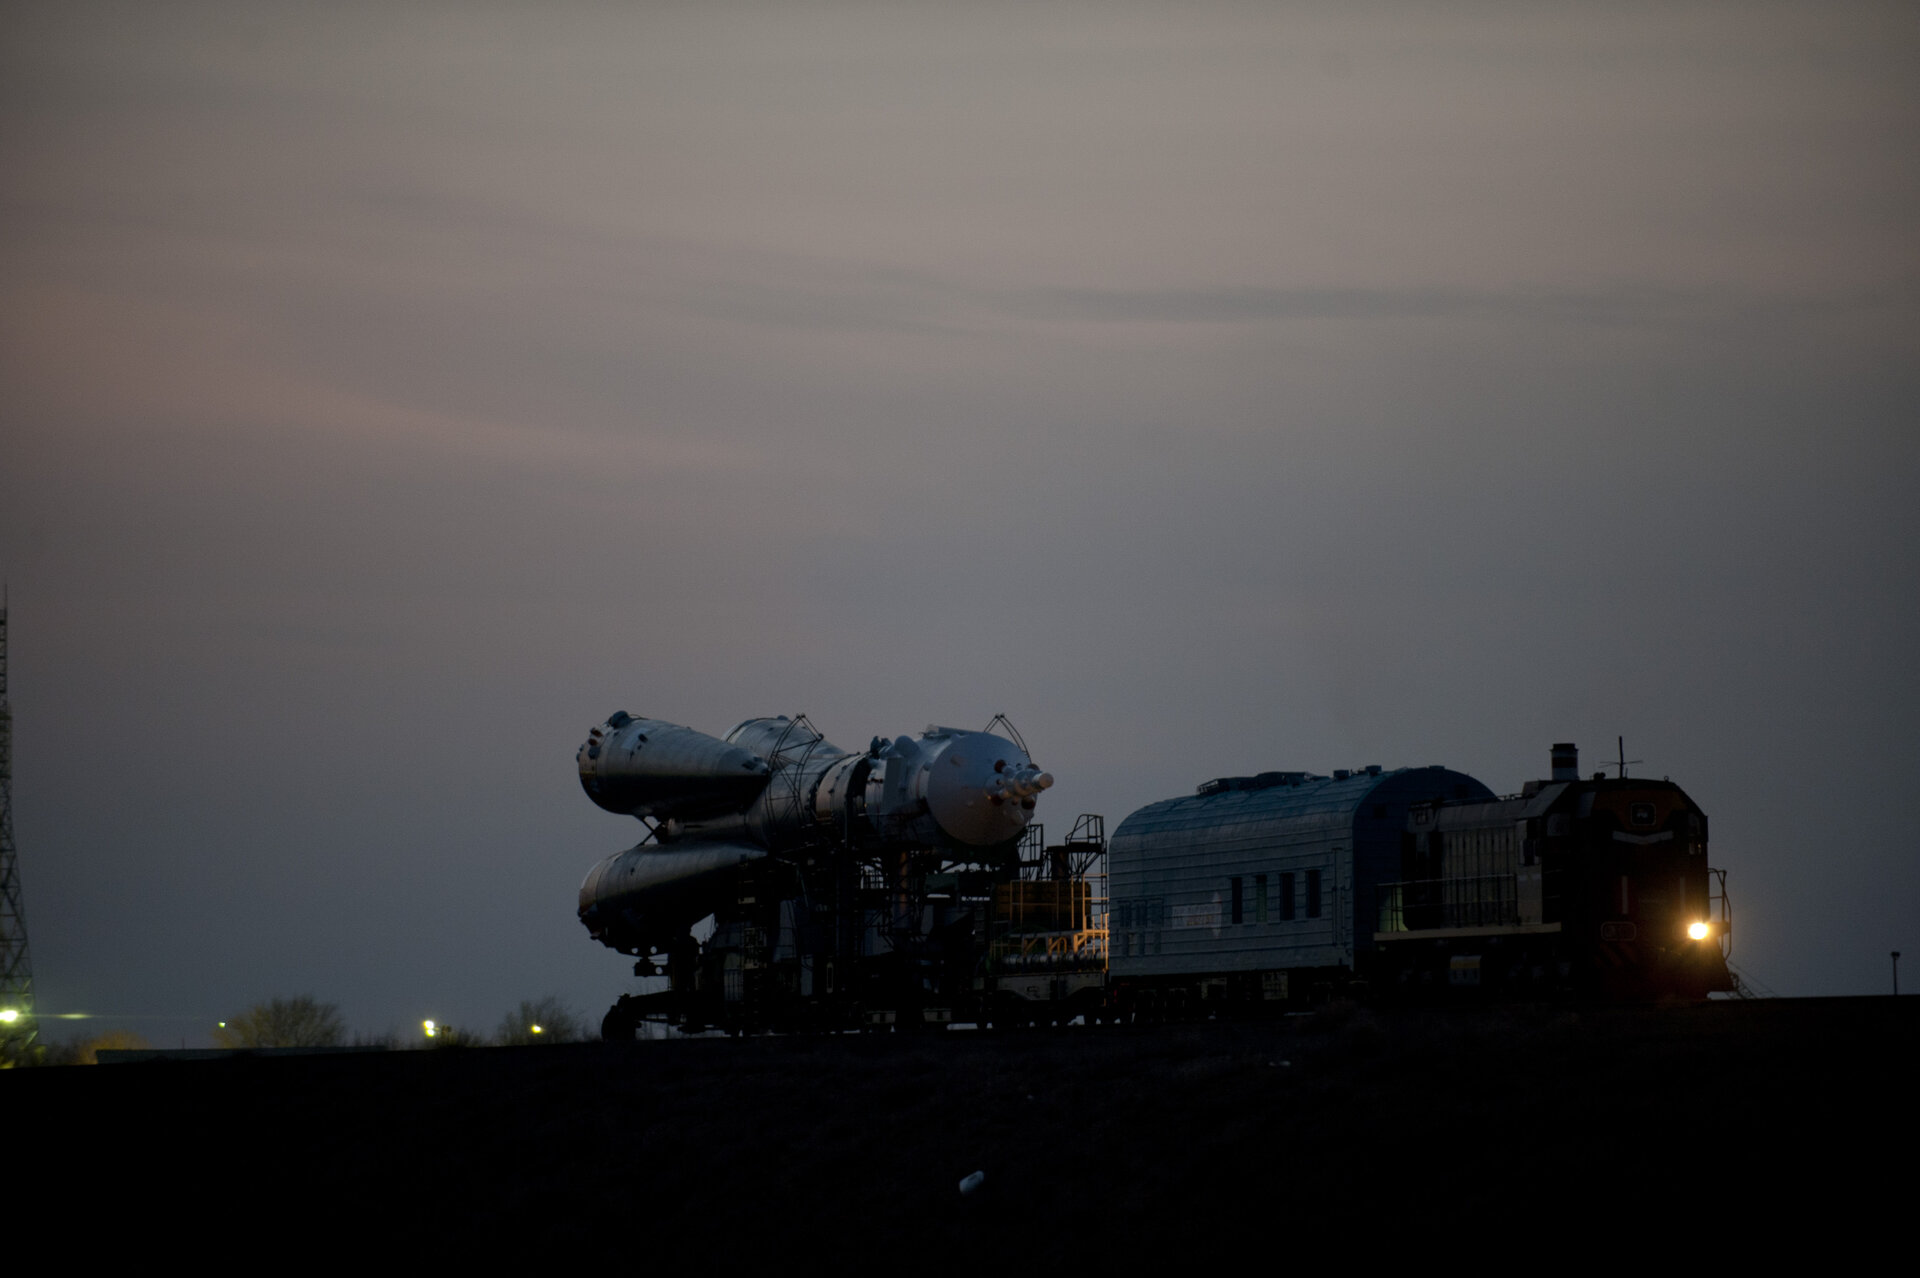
[1624,760]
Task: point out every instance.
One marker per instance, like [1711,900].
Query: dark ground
[1510,1136]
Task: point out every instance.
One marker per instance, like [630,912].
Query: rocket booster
[651,768]
[776,787]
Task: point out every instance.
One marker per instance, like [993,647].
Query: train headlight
[1698,931]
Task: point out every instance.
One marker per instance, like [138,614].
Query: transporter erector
[845,888]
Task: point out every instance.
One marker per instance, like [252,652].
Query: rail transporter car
[1414,884]
[891,888]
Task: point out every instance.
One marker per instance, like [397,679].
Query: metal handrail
[1455,902]
[1725,919]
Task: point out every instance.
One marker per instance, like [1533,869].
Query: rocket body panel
[780,737]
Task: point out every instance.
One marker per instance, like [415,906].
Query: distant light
[428,1026]
[1698,931]
[223,1024]
[538,1030]
[10,1015]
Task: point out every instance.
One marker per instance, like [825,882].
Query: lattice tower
[16,968]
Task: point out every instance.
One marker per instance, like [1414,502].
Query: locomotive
[908,887]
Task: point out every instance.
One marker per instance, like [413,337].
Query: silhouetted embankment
[1502,1134]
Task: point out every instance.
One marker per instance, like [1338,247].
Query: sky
[388,393]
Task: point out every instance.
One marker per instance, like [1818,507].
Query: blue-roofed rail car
[1261,889]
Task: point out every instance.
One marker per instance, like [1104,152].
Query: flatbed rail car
[1021,944]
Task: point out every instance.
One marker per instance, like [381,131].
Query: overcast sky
[388,393]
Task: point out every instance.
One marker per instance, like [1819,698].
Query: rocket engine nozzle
[1024,783]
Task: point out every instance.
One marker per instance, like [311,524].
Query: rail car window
[1237,913]
[1286,895]
[1313,894]
[1259,898]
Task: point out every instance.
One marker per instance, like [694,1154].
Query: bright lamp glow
[1698,931]
[10,1015]
[538,1030]
[428,1027]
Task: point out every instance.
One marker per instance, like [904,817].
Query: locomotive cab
[1636,895]
[1597,888]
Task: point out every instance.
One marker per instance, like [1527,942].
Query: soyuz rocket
[775,789]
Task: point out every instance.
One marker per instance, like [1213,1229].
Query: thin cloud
[1637,306]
